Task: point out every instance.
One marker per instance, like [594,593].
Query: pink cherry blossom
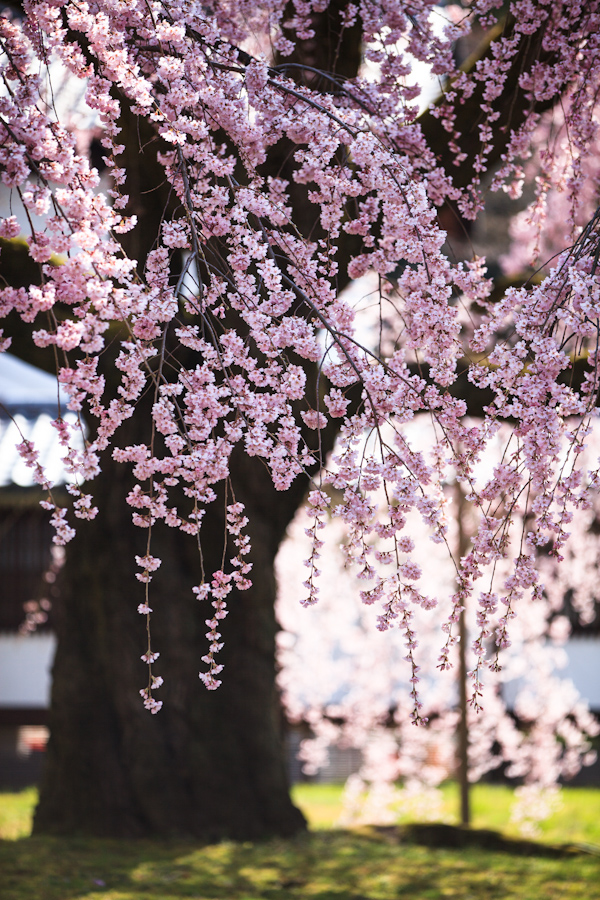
[235,279]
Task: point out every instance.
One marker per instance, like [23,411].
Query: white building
[28,403]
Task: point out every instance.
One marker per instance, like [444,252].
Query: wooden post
[463,727]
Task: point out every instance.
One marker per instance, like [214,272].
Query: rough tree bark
[211,764]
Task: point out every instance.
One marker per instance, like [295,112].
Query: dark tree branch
[514,105]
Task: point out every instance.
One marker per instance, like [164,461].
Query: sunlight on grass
[328,865]
[379,864]
[16,814]
[576,820]
[320,803]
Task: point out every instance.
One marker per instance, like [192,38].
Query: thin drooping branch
[282,187]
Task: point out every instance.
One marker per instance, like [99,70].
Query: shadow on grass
[456,837]
[420,861]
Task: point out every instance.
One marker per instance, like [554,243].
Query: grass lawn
[577,820]
[363,864]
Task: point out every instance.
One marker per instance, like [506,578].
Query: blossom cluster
[352,686]
[255,300]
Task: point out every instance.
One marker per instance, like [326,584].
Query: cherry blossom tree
[261,158]
[352,685]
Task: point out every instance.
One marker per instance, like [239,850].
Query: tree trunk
[210,764]
[463,722]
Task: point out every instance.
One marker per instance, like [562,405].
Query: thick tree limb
[514,106]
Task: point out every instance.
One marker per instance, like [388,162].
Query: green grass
[333,865]
[577,820]
[16,814]
[320,803]
[363,864]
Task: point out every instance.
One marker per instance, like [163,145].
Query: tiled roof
[38,430]
[26,388]
[28,403]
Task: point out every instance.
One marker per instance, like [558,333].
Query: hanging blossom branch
[265,292]
[351,684]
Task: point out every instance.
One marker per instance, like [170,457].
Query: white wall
[25,663]
[583,667]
